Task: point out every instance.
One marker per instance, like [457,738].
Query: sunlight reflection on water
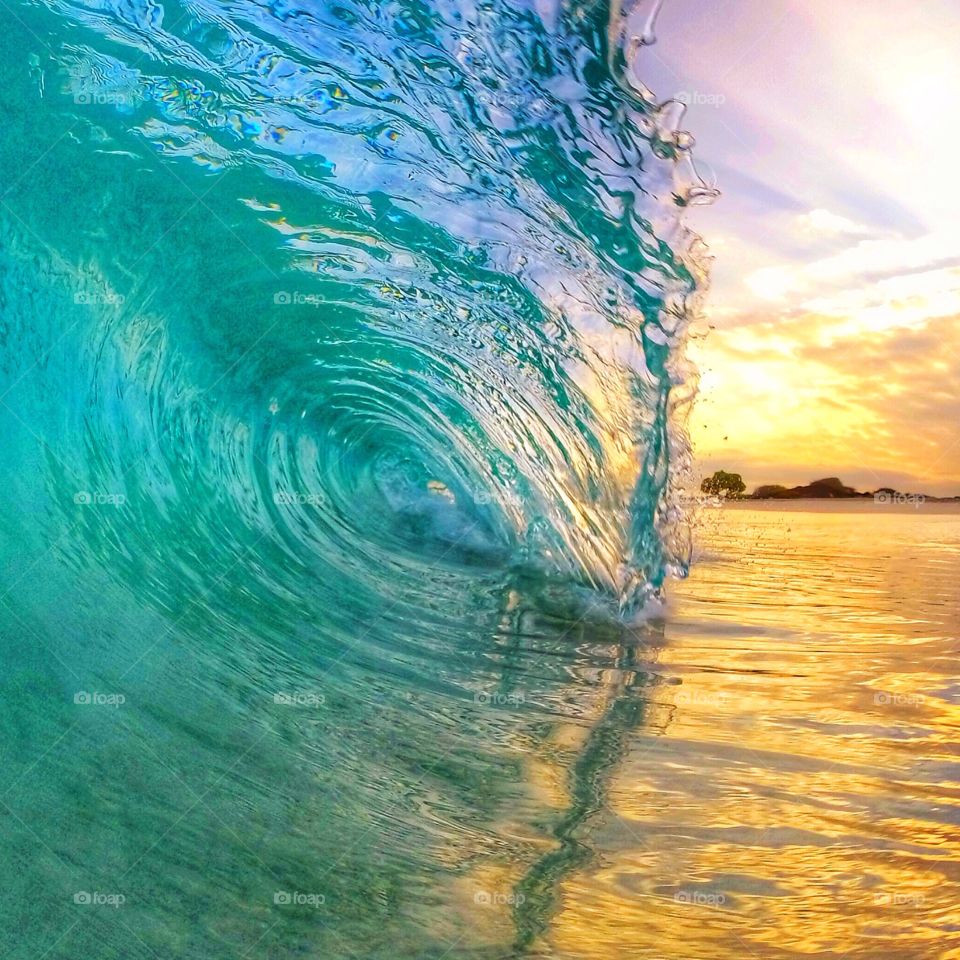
[802,797]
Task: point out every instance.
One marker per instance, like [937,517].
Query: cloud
[836,295]
[877,283]
[823,223]
[796,396]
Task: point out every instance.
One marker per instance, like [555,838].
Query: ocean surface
[771,768]
[342,389]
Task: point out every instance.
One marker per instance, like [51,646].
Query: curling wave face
[438,294]
[325,326]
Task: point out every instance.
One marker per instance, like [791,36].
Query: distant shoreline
[839,502]
[833,488]
[732,488]
[904,499]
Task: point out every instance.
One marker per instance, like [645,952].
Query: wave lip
[342,380]
[469,224]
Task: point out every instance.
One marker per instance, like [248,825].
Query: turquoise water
[349,282]
[341,386]
[341,403]
[768,769]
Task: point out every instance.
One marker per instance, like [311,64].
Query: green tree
[723,484]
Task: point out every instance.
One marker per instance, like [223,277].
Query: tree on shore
[723,484]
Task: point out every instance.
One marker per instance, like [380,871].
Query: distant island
[732,487]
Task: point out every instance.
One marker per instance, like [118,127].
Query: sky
[832,128]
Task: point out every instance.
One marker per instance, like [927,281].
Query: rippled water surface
[793,787]
[770,770]
[341,401]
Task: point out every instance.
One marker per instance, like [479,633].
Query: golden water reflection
[794,789]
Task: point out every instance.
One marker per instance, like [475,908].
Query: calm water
[793,788]
[341,378]
[769,770]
